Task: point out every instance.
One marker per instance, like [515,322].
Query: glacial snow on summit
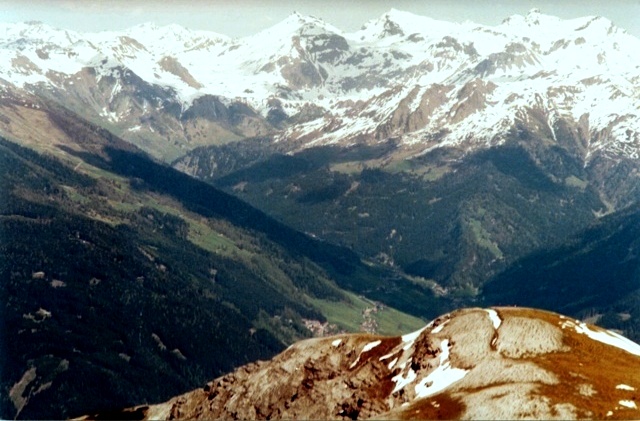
[427,83]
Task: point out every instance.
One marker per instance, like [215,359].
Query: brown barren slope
[498,363]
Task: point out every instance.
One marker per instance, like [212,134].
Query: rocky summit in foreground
[496,363]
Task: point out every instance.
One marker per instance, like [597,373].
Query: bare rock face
[498,363]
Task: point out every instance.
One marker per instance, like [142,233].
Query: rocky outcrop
[497,363]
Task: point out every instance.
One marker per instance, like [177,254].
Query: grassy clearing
[399,166]
[74,196]
[204,237]
[483,238]
[394,322]
[347,167]
[432,172]
[348,315]
[573,181]
[124,199]
[200,232]
[124,206]
[99,173]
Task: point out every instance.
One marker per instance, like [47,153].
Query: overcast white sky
[245,17]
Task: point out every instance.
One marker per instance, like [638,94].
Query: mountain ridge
[462,78]
[494,363]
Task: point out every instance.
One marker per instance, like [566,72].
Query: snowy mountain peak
[400,76]
[172,37]
[599,26]
[296,24]
[534,19]
[553,27]
[144,27]
[291,23]
[397,23]
[152,29]
[38,32]
[297,16]
[401,17]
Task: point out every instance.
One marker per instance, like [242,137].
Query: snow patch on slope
[604,336]
[442,377]
[495,319]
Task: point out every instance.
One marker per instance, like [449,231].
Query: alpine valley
[175,204]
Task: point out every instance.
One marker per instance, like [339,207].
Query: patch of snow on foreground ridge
[605,336]
[368,347]
[410,338]
[495,319]
[401,382]
[439,328]
[442,377]
[628,404]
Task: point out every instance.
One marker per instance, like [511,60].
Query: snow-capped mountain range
[424,82]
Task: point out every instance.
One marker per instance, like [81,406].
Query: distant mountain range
[424,82]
